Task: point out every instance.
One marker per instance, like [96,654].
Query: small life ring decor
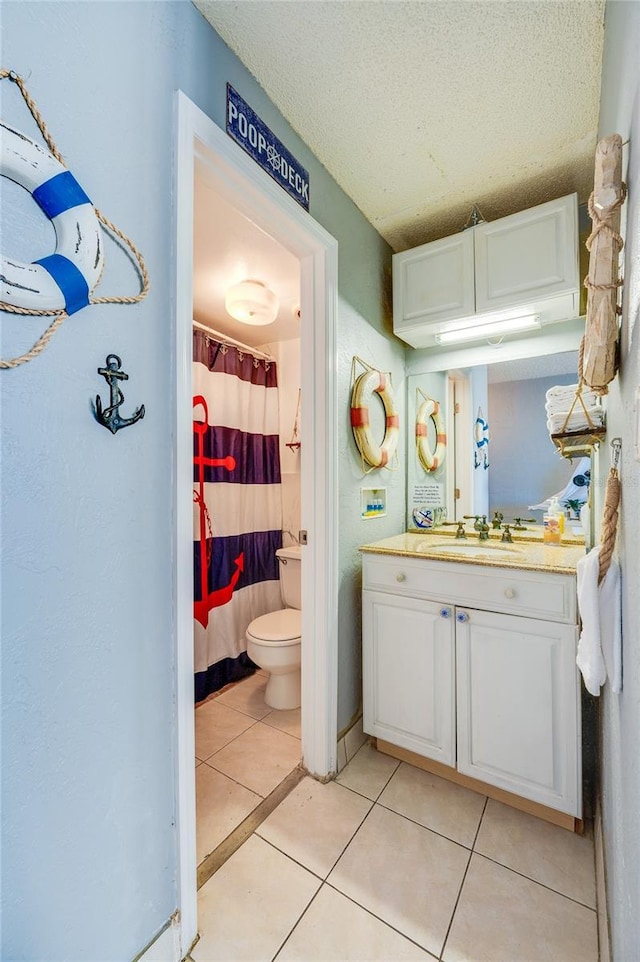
[63,282]
[481,438]
[372,382]
[430,459]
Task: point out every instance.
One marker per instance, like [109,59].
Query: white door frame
[255,194]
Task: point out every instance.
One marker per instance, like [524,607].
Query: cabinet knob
[401,576]
[445,612]
[462,617]
[509,592]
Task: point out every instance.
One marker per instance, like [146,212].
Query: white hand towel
[599,647]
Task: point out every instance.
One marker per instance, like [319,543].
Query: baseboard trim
[165,946]
[500,795]
[604,944]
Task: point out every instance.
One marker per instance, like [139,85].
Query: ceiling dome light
[251,302]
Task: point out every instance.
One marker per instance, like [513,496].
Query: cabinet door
[518,706]
[408,674]
[431,284]
[528,256]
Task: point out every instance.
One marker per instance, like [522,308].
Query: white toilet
[273,640]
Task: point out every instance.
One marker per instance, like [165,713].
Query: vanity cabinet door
[518,706]
[408,668]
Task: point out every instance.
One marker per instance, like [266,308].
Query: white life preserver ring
[430,460]
[377,455]
[64,280]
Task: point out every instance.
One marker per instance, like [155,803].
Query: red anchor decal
[220,596]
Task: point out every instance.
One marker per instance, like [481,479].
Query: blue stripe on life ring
[59,193]
[69,279]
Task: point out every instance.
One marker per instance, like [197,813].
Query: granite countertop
[526,555]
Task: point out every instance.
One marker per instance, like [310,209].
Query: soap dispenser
[553,523]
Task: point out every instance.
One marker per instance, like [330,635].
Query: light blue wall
[88,723]
[525,465]
[620,714]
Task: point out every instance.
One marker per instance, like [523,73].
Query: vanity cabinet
[473,667]
[526,261]
[409,673]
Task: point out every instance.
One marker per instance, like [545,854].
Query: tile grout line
[324,878]
[454,841]
[466,871]
[378,918]
[535,881]
[257,721]
[298,920]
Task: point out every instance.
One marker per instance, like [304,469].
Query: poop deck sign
[253,135]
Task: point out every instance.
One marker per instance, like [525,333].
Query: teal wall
[88,669]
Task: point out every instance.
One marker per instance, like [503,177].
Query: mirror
[499,456]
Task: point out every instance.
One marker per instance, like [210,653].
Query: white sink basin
[472,549]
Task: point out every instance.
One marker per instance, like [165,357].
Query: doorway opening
[459,494]
[247,524]
[235,176]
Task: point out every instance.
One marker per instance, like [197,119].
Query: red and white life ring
[65,279]
[377,455]
[430,460]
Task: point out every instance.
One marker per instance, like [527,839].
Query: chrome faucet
[483,529]
[480,525]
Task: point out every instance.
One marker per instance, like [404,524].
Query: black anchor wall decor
[110,416]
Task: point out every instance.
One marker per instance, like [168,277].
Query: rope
[61,316]
[578,393]
[609,523]
[601,225]
[202,504]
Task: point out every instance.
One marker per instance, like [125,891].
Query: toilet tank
[290,562]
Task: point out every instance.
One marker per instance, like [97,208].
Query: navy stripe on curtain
[260,562]
[257,456]
[223,359]
[223,673]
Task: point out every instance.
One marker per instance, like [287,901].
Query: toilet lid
[277,626]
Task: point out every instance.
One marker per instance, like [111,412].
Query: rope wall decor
[610,513]
[61,284]
[603,281]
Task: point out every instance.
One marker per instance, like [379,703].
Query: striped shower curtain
[237,517]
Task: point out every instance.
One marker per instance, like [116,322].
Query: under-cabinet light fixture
[487,330]
[252,303]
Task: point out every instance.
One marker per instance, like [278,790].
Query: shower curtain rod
[232,340]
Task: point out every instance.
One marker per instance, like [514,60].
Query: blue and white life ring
[64,280]
[481,431]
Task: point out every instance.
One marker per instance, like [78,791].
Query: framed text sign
[253,135]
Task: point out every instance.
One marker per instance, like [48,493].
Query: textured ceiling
[422,108]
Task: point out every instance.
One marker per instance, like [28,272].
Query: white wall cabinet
[474,667]
[527,261]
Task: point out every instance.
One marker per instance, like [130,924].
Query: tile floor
[244,749]
[391,863]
